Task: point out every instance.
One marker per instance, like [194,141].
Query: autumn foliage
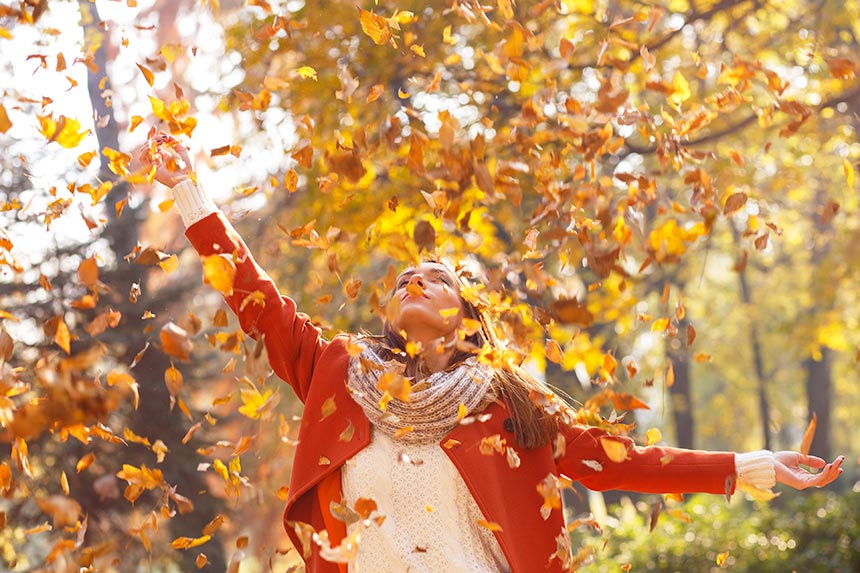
[647,196]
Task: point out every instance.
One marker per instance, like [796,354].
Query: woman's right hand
[170,158]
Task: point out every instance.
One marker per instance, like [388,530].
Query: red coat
[316,369]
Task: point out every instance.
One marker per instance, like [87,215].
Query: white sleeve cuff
[191,202]
[756,469]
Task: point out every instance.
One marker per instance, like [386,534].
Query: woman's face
[427,303]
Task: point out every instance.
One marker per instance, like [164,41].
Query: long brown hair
[536,410]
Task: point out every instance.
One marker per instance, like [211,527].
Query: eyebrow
[434,271]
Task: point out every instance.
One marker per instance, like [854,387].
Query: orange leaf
[490,525]
[174,341]
[189,542]
[219,271]
[147,75]
[88,272]
[173,380]
[5,122]
[85,462]
[375,92]
[808,435]
[616,449]
[376,27]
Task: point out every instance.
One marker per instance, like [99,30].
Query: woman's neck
[434,354]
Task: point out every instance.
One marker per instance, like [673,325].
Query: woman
[413,455]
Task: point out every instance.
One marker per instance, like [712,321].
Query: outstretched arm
[656,469]
[293,343]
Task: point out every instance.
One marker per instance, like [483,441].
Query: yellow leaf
[616,449]
[307,72]
[846,165]
[135,121]
[189,542]
[118,161]
[660,325]
[64,483]
[652,436]
[169,264]
[721,558]
[680,90]
[253,401]
[376,27]
[219,271]
[63,130]
[417,50]
[291,180]
[461,412]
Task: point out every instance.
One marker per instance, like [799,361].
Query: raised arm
[293,343]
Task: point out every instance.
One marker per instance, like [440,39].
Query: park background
[661,199]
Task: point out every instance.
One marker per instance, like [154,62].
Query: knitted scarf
[431,409]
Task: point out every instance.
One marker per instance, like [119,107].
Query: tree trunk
[680,395]
[153,418]
[757,355]
[819,392]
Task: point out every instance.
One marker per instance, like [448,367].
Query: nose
[416,279]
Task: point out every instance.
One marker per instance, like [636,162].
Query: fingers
[813,461]
[789,472]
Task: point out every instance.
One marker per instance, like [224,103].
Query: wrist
[191,201]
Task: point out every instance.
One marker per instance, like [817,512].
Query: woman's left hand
[788,470]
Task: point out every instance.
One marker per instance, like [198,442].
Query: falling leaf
[615,449]
[680,89]
[88,272]
[173,380]
[189,542]
[809,434]
[175,342]
[553,351]
[375,91]
[734,203]
[220,272]
[721,558]
[253,402]
[328,408]
[306,72]
[849,172]
[147,74]
[63,130]
[417,50]
[376,27]
[652,436]
[85,462]
[489,525]
[5,122]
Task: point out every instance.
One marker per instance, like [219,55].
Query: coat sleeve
[650,469]
[292,342]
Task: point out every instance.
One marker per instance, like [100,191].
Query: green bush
[809,532]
